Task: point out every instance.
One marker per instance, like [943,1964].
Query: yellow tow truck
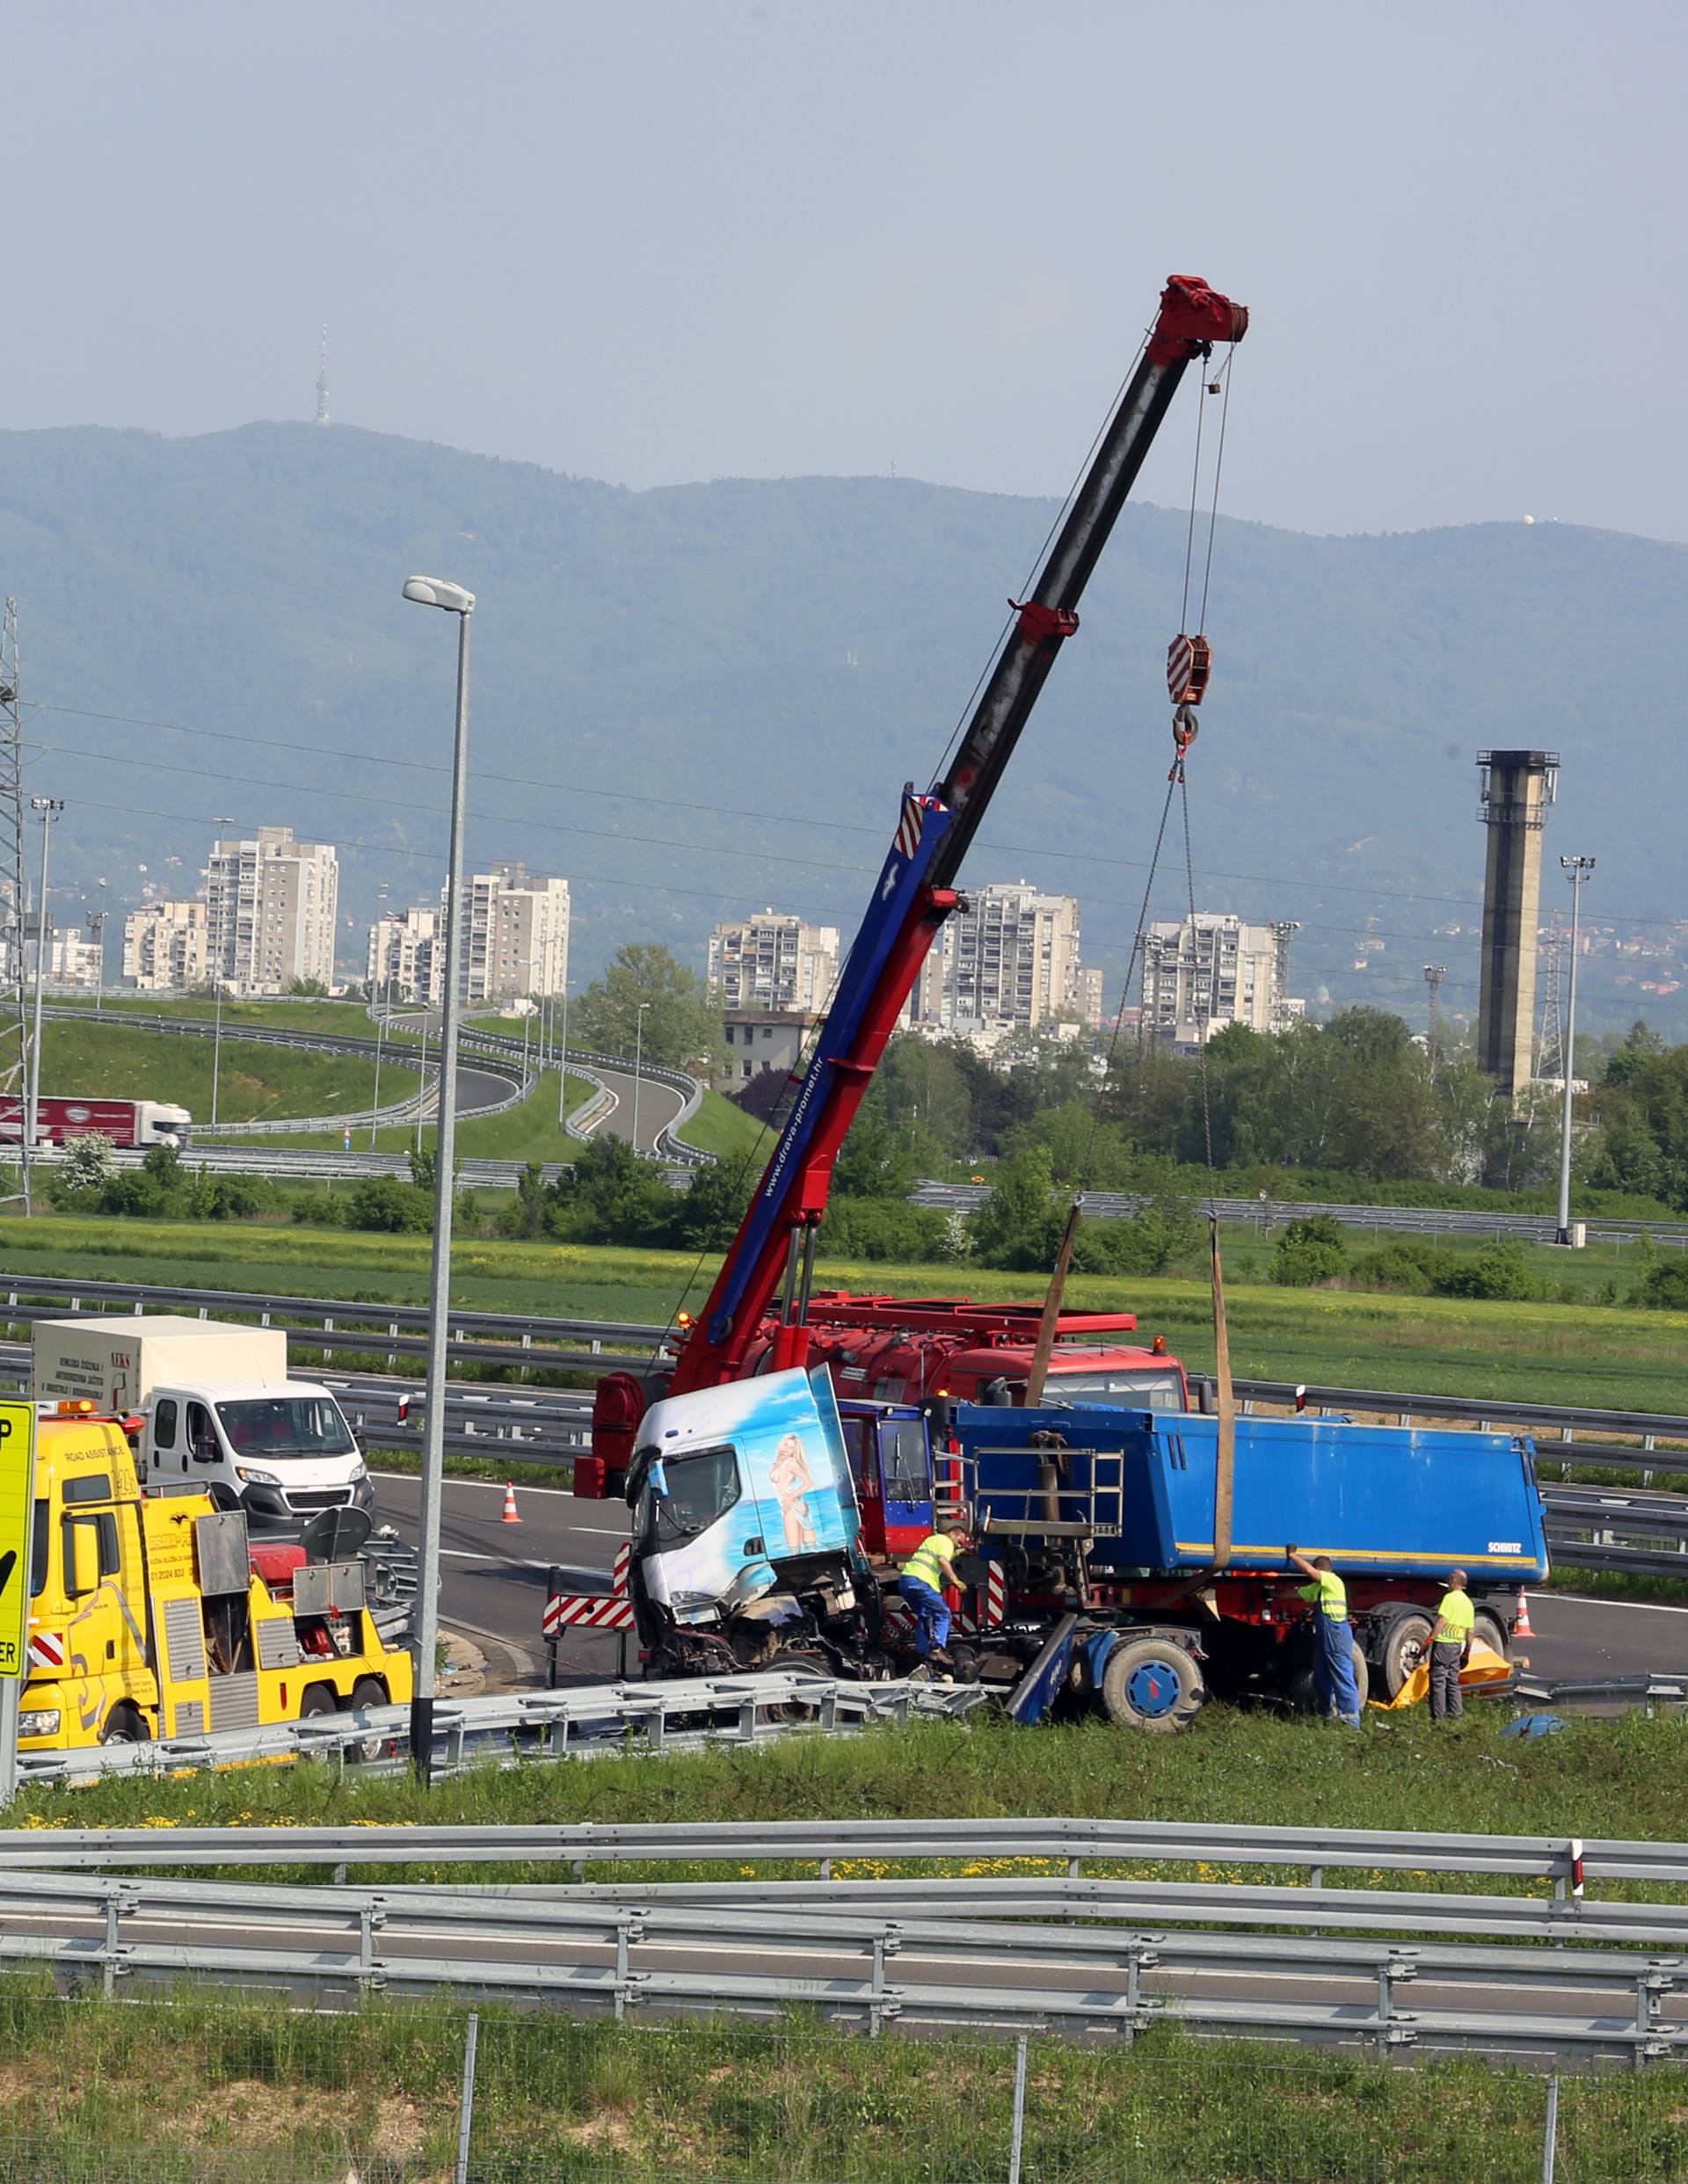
[150,1615]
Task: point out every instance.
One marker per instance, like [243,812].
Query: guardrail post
[1018,2138]
[466,2105]
[1550,2131]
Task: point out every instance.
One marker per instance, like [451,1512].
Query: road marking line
[1596,1599]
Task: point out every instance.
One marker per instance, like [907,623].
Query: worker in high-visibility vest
[922,1583]
[1333,1664]
[1451,1637]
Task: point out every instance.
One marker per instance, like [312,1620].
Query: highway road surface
[659,1105]
[493,1586]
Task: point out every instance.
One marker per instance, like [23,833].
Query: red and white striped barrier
[46,1651]
[593,1610]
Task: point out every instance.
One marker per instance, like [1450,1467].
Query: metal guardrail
[1566,1861]
[1423,1220]
[1074,1955]
[587,1721]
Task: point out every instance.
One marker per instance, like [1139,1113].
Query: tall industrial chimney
[1517,787]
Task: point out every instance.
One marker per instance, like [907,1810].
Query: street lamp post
[562,1066]
[1577,869]
[382,997]
[98,923]
[217,987]
[49,808]
[638,1063]
[453,599]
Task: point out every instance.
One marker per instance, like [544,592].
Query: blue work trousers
[931,1613]
[1333,1670]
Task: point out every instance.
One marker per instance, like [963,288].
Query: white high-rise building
[164,947]
[1202,973]
[271,903]
[516,940]
[406,959]
[774,961]
[1011,956]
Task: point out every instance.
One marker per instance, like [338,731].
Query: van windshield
[272,1426]
[1147,1387]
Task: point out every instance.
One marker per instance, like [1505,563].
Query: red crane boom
[914,893]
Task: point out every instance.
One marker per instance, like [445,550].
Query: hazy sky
[652,242]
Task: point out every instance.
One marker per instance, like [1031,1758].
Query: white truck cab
[218,1414]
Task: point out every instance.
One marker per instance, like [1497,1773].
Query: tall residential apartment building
[271,903]
[774,961]
[517,936]
[406,960]
[1202,973]
[164,947]
[1011,957]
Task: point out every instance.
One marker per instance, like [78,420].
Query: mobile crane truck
[730,1568]
[153,1617]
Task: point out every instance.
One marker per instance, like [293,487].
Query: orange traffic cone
[510,1515]
[1521,1621]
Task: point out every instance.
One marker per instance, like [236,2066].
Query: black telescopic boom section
[1192,317]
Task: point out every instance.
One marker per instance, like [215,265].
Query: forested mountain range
[769,660]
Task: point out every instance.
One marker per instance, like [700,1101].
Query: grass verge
[225,2091]
[1625,1778]
[254,1081]
[726,1131]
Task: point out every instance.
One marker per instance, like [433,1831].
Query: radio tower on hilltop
[322,385]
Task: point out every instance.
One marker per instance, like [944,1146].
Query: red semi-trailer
[125,1123]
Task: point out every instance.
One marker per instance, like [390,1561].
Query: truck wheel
[368,1691]
[319,1700]
[808,1663]
[1151,1684]
[125,1725]
[1488,1630]
[1301,1687]
[1405,1644]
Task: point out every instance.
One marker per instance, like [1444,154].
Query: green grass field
[527,1132]
[726,1131]
[1601,1357]
[225,2090]
[109,1062]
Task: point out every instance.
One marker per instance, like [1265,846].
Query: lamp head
[435,592]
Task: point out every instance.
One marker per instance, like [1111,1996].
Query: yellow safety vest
[1329,1594]
[930,1561]
[1454,1620]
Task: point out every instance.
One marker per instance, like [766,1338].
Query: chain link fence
[239,2091]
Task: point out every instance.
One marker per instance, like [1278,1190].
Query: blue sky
[673,240]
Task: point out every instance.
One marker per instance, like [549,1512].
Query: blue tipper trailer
[1105,1519]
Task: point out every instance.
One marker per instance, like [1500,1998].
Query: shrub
[1664,1287]
[881,1229]
[1308,1252]
[1412,1264]
[1500,1273]
[384,1204]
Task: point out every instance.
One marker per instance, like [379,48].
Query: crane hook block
[1038,623]
[1184,729]
[1189,662]
[1193,317]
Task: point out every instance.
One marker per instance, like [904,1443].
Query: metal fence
[146,2093]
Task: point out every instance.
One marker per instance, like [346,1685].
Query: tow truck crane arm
[916,889]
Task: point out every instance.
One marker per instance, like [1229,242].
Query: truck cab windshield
[1147,1388]
[271,1426]
[701,1489]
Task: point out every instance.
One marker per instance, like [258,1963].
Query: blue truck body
[1387,1501]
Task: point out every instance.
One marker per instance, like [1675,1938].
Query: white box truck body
[219,1414]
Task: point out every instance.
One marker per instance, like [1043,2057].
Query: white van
[216,1413]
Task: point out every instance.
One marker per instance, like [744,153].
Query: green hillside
[255,1081]
[775,658]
